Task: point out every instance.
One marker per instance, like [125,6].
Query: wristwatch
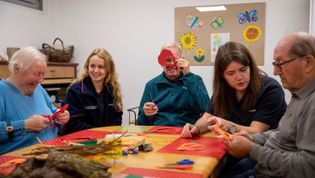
[10,130]
[232,129]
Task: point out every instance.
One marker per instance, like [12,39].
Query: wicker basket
[57,55]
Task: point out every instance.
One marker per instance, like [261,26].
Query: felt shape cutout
[213,147]
[226,136]
[166,58]
[159,173]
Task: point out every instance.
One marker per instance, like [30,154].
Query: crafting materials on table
[177,166]
[190,146]
[226,136]
[184,161]
[8,166]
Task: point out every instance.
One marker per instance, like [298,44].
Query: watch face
[9,128]
[233,129]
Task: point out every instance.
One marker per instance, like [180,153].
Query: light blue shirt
[16,108]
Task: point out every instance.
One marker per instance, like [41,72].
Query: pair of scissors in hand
[53,116]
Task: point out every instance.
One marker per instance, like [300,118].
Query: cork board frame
[201,33]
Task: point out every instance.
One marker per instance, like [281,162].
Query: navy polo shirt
[269,107]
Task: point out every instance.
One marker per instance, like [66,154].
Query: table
[165,141]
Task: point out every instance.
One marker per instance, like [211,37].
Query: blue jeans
[238,168]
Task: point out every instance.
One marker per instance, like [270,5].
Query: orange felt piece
[213,147]
[225,135]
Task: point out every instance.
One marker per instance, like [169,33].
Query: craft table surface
[146,163]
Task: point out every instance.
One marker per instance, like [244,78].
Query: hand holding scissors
[64,119]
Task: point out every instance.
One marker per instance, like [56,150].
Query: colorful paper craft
[80,136]
[166,58]
[53,116]
[248,16]
[8,163]
[159,173]
[165,130]
[217,147]
[194,22]
[225,135]
[190,147]
[188,41]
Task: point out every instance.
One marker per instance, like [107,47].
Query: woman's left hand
[222,123]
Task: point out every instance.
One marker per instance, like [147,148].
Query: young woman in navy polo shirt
[244,98]
[95,98]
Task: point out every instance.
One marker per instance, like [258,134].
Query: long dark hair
[222,91]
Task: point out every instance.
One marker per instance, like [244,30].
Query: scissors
[53,116]
[178,166]
[181,162]
[225,135]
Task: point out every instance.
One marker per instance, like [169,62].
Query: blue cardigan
[15,108]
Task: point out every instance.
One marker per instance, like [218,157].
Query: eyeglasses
[280,64]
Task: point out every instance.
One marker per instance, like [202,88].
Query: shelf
[56,73]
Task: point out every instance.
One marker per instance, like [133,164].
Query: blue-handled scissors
[182,162]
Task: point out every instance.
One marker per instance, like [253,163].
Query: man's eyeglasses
[280,64]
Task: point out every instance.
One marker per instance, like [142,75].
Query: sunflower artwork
[200,56]
[188,41]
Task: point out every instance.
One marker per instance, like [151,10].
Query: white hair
[173,45]
[24,58]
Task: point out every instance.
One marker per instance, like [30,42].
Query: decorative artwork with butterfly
[248,16]
[200,34]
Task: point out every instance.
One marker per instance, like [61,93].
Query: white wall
[312,17]
[133,31]
[21,26]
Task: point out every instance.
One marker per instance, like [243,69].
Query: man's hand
[189,131]
[63,117]
[36,123]
[183,65]
[240,146]
[150,109]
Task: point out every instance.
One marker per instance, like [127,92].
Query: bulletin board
[200,34]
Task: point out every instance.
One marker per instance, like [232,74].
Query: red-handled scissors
[53,116]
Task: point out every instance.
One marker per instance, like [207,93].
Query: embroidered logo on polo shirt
[90,107]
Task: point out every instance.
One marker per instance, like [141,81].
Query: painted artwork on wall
[216,40]
[200,34]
